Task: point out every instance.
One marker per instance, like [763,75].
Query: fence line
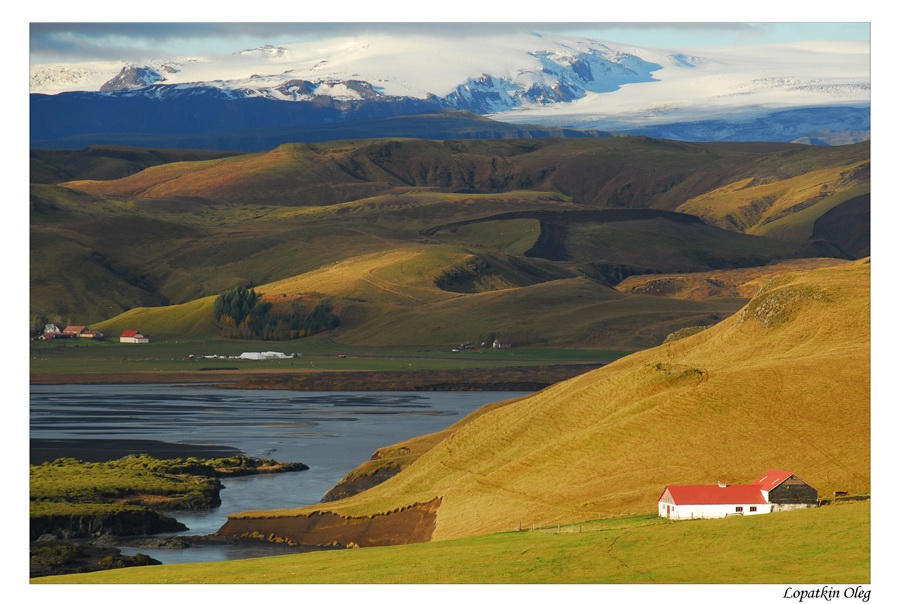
[583,526]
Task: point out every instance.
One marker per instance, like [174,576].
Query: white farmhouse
[774,491]
[688,502]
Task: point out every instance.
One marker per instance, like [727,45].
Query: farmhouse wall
[691,512]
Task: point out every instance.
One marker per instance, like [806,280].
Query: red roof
[772,479]
[711,494]
[130,333]
[74,329]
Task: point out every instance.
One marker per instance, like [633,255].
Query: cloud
[138,40]
[85,41]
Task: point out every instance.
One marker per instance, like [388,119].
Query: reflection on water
[209,553]
[332,433]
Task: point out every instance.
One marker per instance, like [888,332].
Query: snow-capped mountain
[133,77]
[518,78]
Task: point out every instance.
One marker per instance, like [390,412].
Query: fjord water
[331,432]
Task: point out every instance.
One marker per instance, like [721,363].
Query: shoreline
[515,378]
[102,450]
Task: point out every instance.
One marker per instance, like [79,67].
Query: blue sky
[57,42]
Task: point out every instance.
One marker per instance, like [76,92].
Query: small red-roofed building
[74,331]
[774,491]
[133,336]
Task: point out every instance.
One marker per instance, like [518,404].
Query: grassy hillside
[823,546]
[190,320]
[395,299]
[746,395]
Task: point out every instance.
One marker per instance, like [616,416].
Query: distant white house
[133,336]
[774,491]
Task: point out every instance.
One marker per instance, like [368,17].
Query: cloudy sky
[71,42]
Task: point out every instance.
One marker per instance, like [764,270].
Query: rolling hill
[519,216]
[393,298]
[744,395]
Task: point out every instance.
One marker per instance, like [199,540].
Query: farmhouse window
[739,508]
[752,508]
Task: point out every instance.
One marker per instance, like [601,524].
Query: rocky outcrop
[49,558]
[124,522]
[353,484]
[411,524]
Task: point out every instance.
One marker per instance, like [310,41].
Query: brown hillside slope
[619,172]
[752,205]
[726,283]
[782,384]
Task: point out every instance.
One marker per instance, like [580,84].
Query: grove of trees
[243,314]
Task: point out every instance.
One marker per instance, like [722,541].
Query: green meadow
[822,545]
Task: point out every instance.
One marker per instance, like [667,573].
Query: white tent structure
[263,356]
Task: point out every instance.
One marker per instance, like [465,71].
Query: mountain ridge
[558,81]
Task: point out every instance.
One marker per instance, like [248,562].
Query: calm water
[331,432]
